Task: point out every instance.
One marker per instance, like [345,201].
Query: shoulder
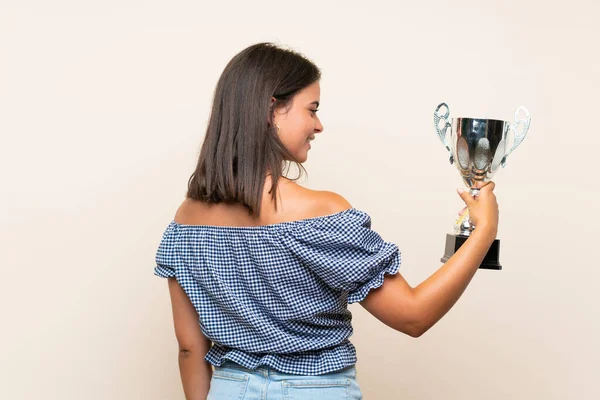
[185,211]
[297,203]
[315,203]
[331,202]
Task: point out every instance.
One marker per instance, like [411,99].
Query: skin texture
[193,345]
[299,125]
[407,309]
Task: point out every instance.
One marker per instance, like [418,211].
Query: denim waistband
[349,372]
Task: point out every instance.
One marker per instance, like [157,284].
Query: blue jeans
[231,381]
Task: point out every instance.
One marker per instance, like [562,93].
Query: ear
[272,111]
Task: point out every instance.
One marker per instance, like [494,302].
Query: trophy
[478,147]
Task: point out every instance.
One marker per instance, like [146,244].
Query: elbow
[192,344]
[191,355]
[417,331]
[413,330]
[186,348]
[421,318]
[186,351]
[191,348]
[418,322]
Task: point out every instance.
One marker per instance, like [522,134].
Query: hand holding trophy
[478,147]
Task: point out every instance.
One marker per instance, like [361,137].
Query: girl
[261,270]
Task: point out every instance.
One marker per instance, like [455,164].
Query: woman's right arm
[195,371]
[414,310]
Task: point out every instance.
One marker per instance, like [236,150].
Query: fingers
[489,187]
[466,196]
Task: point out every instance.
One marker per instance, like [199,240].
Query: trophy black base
[491,259]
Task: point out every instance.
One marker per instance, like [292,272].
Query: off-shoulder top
[277,295]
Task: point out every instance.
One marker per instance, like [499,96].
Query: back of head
[241,144]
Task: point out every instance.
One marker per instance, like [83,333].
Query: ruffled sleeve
[345,252]
[167,258]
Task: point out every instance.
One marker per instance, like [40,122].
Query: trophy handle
[442,132]
[522,123]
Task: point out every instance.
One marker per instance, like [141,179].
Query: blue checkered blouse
[277,295]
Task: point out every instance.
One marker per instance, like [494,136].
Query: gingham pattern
[277,295]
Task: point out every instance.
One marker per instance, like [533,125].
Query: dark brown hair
[241,143]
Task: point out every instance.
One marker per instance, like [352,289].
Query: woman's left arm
[195,372]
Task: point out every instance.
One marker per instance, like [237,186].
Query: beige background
[103,106]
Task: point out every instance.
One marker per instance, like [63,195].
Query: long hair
[241,143]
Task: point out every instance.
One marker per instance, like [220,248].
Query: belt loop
[261,371]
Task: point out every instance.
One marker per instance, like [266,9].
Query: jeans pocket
[315,389]
[226,385]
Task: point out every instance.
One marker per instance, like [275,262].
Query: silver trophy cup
[478,147]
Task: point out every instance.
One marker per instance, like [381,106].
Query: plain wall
[103,107]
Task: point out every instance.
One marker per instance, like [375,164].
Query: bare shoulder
[186,211]
[298,203]
[332,202]
[315,203]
